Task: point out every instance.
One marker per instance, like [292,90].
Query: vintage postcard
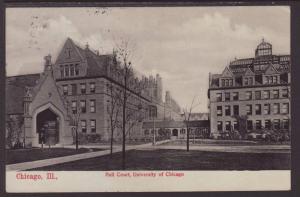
[142,99]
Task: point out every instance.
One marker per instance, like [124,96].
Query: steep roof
[15,91]
[96,64]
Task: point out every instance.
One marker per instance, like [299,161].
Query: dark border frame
[295,101]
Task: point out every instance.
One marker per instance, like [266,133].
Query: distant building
[254,90]
[176,129]
[78,81]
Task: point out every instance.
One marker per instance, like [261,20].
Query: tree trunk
[111,141]
[188,139]
[124,120]
[76,140]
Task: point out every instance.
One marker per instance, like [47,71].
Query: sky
[182,44]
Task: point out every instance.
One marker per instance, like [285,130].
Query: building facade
[79,91]
[251,94]
[176,129]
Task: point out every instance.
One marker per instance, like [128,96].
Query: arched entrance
[175,132]
[47,127]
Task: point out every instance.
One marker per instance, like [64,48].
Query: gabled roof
[227,73]
[96,64]
[270,70]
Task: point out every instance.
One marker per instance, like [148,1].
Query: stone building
[254,92]
[176,129]
[78,89]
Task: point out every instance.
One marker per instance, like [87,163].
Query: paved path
[236,148]
[58,160]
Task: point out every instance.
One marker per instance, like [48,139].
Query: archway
[175,132]
[47,127]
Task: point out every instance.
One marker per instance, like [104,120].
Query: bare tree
[187,115]
[113,111]
[132,89]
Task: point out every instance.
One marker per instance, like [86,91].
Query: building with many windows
[254,92]
[76,92]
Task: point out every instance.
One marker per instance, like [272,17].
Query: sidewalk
[58,160]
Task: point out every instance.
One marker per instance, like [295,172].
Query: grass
[24,155]
[180,160]
[214,142]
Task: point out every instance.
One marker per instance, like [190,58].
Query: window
[146,132]
[267,79]
[275,79]
[235,96]
[227,96]
[257,95]
[235,125]
[249,95]
[76,70]
[284,93]
[72,70]
[250,81]
[285,124]
[93,126]
[92,87]
[74,89]
[182,131]
[285,108]
[276,124]
[62,73]
[83,126]
[267,94]
[246,82]
[235,110]
[223,82]
[267,109]
[219,111]
[227,110]
[270,80]
[249,125]
[258,109]
[276,108]
[226,82]
[66,70]
[65,89]
[275,94]
[220,125]
[228,126]
[83,88]
[230,82]
[74,107]
[83,106]
[249,109]
[92,106]
[268,124]
[258,124]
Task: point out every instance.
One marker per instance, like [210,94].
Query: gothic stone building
[254,89]
[78,81]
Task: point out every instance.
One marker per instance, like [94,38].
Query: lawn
[180,160]
[213,142]
[24,155]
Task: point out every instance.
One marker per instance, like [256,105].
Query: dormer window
[72,70]
[76,69]
[67,71]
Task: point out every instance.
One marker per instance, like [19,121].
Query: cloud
[181,44]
